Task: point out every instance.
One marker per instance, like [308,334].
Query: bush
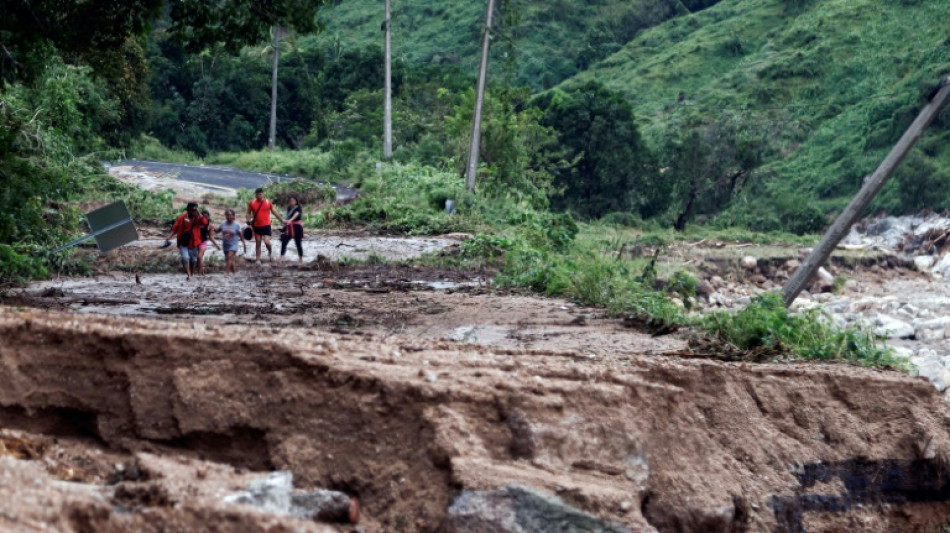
[766,326]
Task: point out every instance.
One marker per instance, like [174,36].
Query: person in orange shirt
[187,231]
[258,215]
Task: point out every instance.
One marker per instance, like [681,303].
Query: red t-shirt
[183,224]
[263,214]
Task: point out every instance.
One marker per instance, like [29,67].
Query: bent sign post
[111,226]
[859,203]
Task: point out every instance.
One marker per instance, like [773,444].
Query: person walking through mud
[293,229]
[230,235]
[187,231]
[206,237]
[258,215]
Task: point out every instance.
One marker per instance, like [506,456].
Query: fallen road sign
[111,226]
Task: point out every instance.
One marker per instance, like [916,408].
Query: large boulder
[518,509]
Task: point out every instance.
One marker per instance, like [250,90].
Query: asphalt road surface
[231,178]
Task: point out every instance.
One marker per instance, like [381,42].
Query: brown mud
[137,401]
[652,442]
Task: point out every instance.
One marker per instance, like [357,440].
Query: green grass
[766,328]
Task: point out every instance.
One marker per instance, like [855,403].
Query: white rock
[923,334]
[935,323]
[892,328]
[943,266]
[932,369]
[901,352]
[748,262]
[924,262]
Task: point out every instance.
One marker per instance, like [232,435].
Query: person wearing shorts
[187,232]
[230,236]
[258,215]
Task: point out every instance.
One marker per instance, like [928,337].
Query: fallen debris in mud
[650,443]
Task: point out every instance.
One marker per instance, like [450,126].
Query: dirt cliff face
[653,443]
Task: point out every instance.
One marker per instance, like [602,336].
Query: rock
[519,509]
[704,288]
[324,505]
[717,282]
[748,262]
[792,265]
[888,225]
[851,285]
[923,263]
[932,368]
[901,352]
[758,279]
[274,493]
[925,335]
[270,493]
[943,266]
[892,328]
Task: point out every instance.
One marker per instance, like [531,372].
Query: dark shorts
[262,230]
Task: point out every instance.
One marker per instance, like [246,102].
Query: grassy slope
[837,81]
[549,39]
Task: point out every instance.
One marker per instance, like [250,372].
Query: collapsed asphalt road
[224,177]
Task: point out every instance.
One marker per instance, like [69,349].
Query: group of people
[193,232]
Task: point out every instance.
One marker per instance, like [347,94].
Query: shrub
[765,325]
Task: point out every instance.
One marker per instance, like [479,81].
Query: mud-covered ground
[136,400]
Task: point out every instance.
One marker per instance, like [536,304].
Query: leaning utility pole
[472,166]
[872,185]
[388,89]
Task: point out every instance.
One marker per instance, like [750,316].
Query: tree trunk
[473,148]
[272,138]
[683,217]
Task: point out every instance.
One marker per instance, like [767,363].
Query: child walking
[230,235]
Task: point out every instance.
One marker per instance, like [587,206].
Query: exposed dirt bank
[651,442]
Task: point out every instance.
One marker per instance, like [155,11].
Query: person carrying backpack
[187,232]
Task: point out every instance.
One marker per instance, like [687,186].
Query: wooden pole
[272,137]
[388,101]
[472,167]
[859,203]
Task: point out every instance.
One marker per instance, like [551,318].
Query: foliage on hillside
[538,42]
[824,88]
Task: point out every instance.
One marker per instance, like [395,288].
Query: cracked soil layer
[652,442]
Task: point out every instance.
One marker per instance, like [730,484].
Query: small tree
[613,171]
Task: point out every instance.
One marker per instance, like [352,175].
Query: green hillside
[831,84]
[548,40]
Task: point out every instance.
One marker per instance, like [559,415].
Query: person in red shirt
[258,215]
[187,231]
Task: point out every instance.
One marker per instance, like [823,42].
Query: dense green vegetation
[818,91]
[759,114]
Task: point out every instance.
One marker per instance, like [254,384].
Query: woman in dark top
[293,229]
